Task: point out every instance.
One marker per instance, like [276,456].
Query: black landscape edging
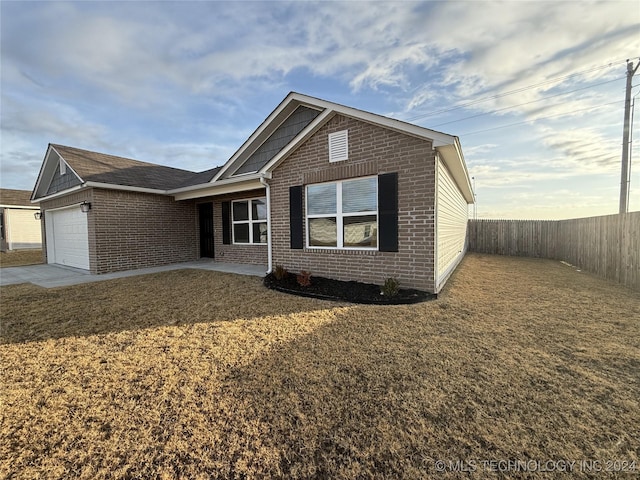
[404,297]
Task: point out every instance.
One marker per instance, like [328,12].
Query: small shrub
[390,287]
[280,272]
[304,278]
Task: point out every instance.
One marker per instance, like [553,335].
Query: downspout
[268,195]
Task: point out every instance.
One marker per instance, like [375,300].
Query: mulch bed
[337,290]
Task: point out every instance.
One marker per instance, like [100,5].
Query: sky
[534,90]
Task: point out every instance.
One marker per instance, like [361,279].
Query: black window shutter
[295,217]
[226,223]
[388,212]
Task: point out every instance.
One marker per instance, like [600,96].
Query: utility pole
[624,175]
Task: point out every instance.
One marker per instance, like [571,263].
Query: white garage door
[67,237]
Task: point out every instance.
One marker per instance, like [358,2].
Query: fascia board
[19,207]
[452,156]
[106,186]
[438,138]
[226,186]
[59,194]
[68,166]
[224,181]
[41,172]
[220,188]
[128,188]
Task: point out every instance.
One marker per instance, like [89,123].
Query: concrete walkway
[49,276]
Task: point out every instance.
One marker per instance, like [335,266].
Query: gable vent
[338,146]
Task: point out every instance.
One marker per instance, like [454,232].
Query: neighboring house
[19,228]
[337,191]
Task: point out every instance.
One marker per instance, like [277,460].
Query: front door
[205,216]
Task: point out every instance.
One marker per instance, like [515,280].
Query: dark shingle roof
[200,178]
[15,197]
[110,169]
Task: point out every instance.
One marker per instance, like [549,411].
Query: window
[63,167]
[343,214]
[249,221]
[338,146]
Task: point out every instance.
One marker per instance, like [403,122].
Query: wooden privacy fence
[608,246]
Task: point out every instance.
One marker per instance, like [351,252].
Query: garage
[67,237]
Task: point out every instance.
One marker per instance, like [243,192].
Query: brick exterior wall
[372,150]
[130,230]
[138,230]
[248,254]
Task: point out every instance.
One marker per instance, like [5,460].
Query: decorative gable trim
[262,133]
[304,135]
[278,139]
[50,169]
[62,179]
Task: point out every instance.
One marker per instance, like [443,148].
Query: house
[318,186]
[19,229]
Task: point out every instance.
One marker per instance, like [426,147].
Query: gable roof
[448,146]
[272,142]
[11,197]
[100,169]
[110,169]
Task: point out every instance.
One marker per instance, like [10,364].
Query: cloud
[582,150]
[55,121]
[187,82]
[134,52]
[503,49]
[481,149]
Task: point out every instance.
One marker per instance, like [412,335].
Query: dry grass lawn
[17,258]
[195,374]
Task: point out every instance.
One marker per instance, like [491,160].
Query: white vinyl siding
[451,224]
[22,229]
[339,146]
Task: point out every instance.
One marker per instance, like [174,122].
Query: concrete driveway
[49,276]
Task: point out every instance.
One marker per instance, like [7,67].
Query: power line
[517,90]
[539,118]
[527,103]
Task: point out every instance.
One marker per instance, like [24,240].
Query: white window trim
[250,222]
[340,218]
[63,167]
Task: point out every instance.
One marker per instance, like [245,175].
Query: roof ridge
[369,112]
